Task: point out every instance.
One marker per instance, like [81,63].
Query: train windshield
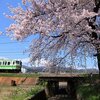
[17,62]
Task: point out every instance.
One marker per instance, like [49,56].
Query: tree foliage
[63,28]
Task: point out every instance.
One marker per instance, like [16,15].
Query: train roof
[9,60]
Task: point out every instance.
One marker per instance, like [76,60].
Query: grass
[19,75]
[89,92]
[19,92]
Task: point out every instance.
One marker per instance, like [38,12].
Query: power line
[15,52]
[14,42]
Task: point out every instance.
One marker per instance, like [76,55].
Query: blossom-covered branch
[60,25]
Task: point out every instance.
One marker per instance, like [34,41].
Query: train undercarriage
[10,70]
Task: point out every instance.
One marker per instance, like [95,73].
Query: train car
[12,66]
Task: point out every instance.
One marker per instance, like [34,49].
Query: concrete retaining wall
[39,96]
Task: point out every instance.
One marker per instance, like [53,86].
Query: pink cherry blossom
[62,26]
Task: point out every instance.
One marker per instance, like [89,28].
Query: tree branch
[97,4]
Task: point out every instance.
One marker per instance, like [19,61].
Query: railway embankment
[18,80]
[18,86]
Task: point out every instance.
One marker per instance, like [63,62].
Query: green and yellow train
[12,66]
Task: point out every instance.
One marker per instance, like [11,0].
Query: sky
[10,48]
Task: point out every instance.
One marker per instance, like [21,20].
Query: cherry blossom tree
[64,29]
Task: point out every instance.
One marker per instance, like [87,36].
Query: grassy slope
[91,89]
[18,92]
[89,92]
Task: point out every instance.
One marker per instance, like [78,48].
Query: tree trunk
[98,59]
[94,35]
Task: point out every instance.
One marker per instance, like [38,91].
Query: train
[13,66]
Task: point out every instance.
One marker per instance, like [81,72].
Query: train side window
[5,63]
[8,63]
[13,63]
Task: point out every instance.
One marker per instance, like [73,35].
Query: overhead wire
[14,42]
[12,52]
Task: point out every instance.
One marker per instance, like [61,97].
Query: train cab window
[20,63]
[17,62]
[8,63]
